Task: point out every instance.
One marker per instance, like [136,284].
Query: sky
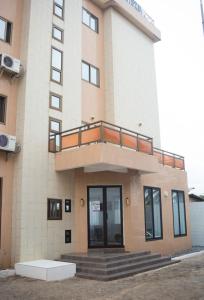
[179,61]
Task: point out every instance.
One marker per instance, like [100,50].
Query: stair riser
[119,276]
[107,250]
[121,268]
[114,264]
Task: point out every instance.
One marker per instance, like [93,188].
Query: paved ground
[181,281]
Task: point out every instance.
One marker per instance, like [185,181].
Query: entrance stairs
[105,265]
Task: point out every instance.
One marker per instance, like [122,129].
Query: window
[153,214]
[57,33]
[56,65]
[54,209]
[2,109]
[55,101]
[90,73]
[89,20]
[59,8]
[179,213]
[5,30]
[55,126]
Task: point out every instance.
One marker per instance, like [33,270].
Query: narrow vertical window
[58,9]
[153,215]
[5,30]
[57,33]
[85,71]
[179,213]
[55,127]
[2,109]
[56,65]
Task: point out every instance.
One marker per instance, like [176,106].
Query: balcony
[101,146]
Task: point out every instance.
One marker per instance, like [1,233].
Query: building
[98,184]
[197,220]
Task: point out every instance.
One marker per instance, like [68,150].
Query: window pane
[55,101]
[85,71]
[93,24]
[157,214]
[182,213]
[55,126]
[2,29]
[56,59]
[176,214]
[58,11]
[94,76]
[57,33]
[148,214]
[2,109]
[54,209]
[85,17]
[59,2]
[56,75]
[8,32]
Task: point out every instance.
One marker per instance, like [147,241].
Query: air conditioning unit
[7,142]
[9,63]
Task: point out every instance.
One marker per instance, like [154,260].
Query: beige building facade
[87,171]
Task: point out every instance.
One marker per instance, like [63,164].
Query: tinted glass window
[54,209]
[179,214]
[2,109]
[153,217]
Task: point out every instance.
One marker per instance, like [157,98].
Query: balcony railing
[170,159]
[104,132]
[100,132]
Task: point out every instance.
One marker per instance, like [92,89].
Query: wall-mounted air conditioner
[7,142]
[9,63]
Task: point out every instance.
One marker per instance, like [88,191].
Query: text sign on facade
[96,206]
[136,6]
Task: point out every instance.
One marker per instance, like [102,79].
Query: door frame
[104,187]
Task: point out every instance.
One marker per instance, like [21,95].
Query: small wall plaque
[68,236]
[68,207]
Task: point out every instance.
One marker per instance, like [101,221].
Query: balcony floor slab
[106,157]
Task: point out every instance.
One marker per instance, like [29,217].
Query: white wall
[197,223]
[35,177]
[131,96]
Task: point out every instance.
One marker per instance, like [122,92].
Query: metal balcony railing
[104,132]
[170,159]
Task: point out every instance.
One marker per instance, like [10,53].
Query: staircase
[107,265]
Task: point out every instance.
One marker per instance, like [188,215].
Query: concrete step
[111,264]
[124,273]
[121,268]
[107,250]
[103,258]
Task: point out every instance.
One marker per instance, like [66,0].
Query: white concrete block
[48,270]
[7,273]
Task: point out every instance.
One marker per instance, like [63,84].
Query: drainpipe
[202,13]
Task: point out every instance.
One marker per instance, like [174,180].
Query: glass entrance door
[105,216]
